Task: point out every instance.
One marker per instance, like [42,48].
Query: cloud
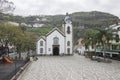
[51,7]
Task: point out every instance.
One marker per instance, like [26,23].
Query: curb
[20,73]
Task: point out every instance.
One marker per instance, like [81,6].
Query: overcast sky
[51,7]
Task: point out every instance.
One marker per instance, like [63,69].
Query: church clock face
[67,19]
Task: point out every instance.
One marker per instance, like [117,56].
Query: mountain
[86,19]
[93,19]
[81,21]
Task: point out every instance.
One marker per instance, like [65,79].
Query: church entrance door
[55,50]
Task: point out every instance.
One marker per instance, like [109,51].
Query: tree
[6,6]
[91,37]
[10,34]
[104,36]
[97,35]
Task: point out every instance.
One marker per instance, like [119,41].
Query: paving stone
[71,68]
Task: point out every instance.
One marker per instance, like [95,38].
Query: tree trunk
[19,52]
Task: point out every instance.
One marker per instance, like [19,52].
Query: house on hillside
[57,42]
[39,22]
[115,43]
[80,46]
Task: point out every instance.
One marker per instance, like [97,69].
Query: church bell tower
[68,30]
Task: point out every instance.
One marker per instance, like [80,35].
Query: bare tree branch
[6,6]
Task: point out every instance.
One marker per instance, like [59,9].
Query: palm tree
[104,36]
[97,36]
[91,39]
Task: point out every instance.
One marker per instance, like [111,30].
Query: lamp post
[104,44]
[15,53]
[90,48]
[90,44]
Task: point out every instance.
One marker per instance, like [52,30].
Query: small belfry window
[55,41]
[68,29]
[68,43]
[41,43]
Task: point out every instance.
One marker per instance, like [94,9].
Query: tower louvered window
[68,30]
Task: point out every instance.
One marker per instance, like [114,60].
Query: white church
[57,42]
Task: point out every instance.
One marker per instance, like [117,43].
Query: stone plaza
[71,68]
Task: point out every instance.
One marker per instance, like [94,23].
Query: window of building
[55,41]
[41,43]
[41,50]
[49,49]
[68,43]
[68,50]
[117,38]
[68,30]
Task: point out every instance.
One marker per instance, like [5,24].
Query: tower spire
[67,19]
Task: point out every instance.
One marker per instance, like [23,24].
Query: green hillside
[42,31]
[86,19]
[93,19]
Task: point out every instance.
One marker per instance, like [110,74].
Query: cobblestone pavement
[71,68]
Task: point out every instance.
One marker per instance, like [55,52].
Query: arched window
[41,50]
[68,43]
[68,30]
[117,38]
[55,41]
[41,43]
[68,50]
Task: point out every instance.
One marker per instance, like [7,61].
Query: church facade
[57,42]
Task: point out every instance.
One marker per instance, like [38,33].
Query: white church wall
[39,47]
[49,42]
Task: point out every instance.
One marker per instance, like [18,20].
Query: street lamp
[104,44]
[90,44]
